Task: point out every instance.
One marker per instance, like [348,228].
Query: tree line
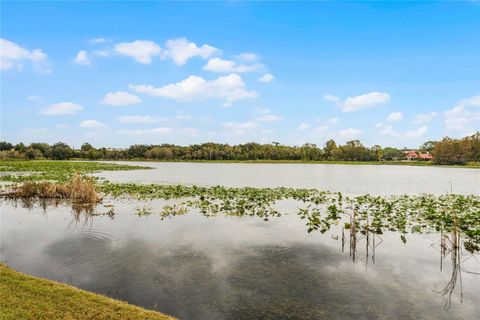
[445,151]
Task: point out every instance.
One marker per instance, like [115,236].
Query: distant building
[414,155]
[410,155]
[425,156]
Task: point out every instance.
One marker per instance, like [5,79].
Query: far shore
[472,165]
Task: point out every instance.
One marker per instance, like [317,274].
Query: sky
[121,73]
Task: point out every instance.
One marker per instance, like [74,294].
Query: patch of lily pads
[321,210]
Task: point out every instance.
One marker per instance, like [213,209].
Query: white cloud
[181,50]
[101,53]
[36,130]
[388,131]
[221,65]
[264,115]
[120,98]
[268,118]
[182,116]
[350,133]
[231,88]
[267,77]
[189,131]
[320,130]
[263,111]
[82,58]
[247,57]
[473,101]
[240,128]
[13,55]
[333,120]
[97,40]
[136,119]
[364,101]
[240,125]
[34,98]
[61,126]
[303,126]
[461,122]
[424,117]
[161,130]
[92,124]
[62,108]
[140,50]
[395,116]
[417,132]
[330,97]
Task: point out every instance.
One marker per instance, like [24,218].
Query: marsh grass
[80,189]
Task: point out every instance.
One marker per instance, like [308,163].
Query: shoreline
[28,297]
[373,163]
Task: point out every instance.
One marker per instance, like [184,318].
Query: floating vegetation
[20,171]
[321,209]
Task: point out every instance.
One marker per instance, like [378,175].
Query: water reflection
[243,268]
[82,214]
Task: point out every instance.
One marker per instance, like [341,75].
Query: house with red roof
[414,155]
[425,156]
[410,155]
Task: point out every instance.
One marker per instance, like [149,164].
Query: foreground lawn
[27,297]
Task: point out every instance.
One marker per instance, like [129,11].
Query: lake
[197,267]
[349,179]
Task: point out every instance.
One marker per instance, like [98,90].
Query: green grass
[27,297]
[35,170]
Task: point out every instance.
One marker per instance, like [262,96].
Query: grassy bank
[27,297]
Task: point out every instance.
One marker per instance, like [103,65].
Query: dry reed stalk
[79,189]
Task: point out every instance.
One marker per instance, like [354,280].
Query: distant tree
[377,152]
[138,150]
[61,151]
[44,148]
[32,153]
[86,147]
[392,154]
[5,146]
[310,152]
[428,146]
[329,149]
[354,150]
[20,147]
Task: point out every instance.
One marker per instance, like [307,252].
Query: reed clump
[79,189]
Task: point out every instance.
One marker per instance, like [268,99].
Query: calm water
[195,267]
[349,179]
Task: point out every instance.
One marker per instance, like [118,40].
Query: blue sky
[115,74]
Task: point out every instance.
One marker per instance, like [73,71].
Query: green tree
[61,151]
[5,146]
[428,146]
[329,149]
[377,152]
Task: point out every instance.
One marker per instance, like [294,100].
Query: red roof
[410,154]
[426,156]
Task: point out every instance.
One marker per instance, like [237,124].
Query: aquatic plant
[21,171]
[322,209]
[80,189]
